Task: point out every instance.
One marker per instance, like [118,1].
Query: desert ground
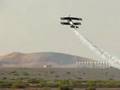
[60,73]
[55,78]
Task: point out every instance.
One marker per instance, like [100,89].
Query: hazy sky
[33,26]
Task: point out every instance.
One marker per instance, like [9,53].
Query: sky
[34,26]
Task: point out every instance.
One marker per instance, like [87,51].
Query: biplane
[74,22]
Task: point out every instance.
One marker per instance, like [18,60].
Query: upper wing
[65,18]
[70,18]
[74,18]
[65,23]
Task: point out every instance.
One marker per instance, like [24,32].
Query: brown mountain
[17,59]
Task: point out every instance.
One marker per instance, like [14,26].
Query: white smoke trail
[113,61]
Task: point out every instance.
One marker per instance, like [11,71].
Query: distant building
[47,66]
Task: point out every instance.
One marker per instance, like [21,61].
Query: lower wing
[77,23]
[65,23]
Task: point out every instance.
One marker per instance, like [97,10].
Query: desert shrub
[52,72]
[5,84]
[79,78]
[25,73]
[50,83]
[33,81]
[46,88]
[90,88]
[57,76]
[14,73]
[19,84]
[42,83]
[110,83]
[4,78]
[117,84]
[111,79]
[65,87]
[39,74]
[68,73]
[91,83]
[80,84]
[64,82]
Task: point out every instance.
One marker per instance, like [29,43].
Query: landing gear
[72,26]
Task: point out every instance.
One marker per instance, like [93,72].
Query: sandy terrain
[60,73]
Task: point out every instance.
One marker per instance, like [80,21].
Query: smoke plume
[113,61]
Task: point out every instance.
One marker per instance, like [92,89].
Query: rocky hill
[17,59]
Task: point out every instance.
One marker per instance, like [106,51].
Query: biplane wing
[70,18]
[77,23]
[65,23]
